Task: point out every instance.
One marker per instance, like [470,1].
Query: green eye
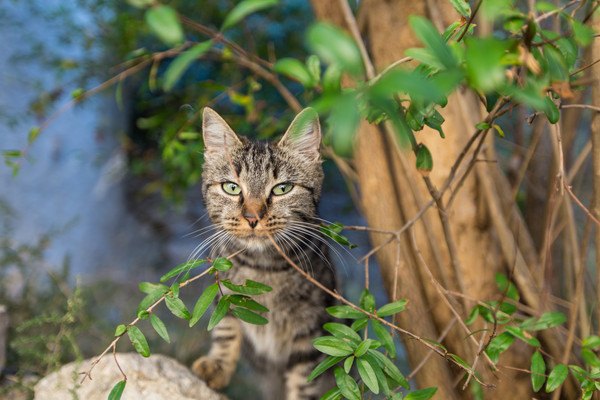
[282,188]
[231,188]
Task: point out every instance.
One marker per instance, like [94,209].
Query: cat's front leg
[217,367]
[299,368]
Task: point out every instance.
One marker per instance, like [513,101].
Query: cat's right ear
[219,138]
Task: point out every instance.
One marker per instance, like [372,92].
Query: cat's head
[256,189]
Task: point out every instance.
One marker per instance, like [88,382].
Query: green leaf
[524,336]
[342,331]
[175,289]
[348,364]
[367,301]
[462,7]
[419,86]
[182,268]
[164,23]
[383,382]
[424,160]
[150,299]
[323,366]
[367,374]
[222,264]
[386,338]
[546,321]
[551,110]
[246,302]
[160,328]
[176,306]
[507,286]
[557,377]
[431,38]
[359,323]
[140,3]
[389,368]
[182,62]
[138,340]
[117,390]
[296,70]
[347,385]
[362,348]
[248,288]
[245,8]
[249,316]
[392,308]
[344,312]
[590,357]
[121,329]
[143,314]
[423,394]
[484,66]
[33,134]
[336,47]
[314,67]
[333,230]
[332,346]
[592,342]
[204,301]
[538,371]
[148,287]
[498,345]
[219,313]
[584,35]
[332,394]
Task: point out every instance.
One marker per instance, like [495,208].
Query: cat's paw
[211,371]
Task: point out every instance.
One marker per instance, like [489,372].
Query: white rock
[155,378]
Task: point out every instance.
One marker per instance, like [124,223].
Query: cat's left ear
[304,135]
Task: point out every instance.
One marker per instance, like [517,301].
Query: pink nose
[252,220]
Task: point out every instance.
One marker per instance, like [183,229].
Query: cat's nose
[252,220]
[253,212]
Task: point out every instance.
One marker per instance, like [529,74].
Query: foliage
[521,63]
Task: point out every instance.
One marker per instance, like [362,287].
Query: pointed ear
[304,135]
[218,136]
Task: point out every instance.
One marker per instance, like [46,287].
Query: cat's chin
[255,242]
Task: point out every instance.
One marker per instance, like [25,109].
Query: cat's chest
[273,340]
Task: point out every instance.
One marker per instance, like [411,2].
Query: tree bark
[596,148]
[392,193]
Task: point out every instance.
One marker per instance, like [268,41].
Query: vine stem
[373,316]
[113,345]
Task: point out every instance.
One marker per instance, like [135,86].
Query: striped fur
[297,308]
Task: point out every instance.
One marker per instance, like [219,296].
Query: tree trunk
[487,234]
[3,336]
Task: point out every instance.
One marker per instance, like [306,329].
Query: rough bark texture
[482,225]
[596,142]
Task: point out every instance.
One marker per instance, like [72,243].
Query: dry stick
[557,11]
[578,297]
[579,161]
[347,302]
[353,26]
[441,337]
[113,344]
[581,205]
[470,21]
[218,37]
[538,130]
[445,298]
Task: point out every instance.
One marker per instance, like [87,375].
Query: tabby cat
[254,191]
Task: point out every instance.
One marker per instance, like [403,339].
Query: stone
[3,336]
[157,377]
